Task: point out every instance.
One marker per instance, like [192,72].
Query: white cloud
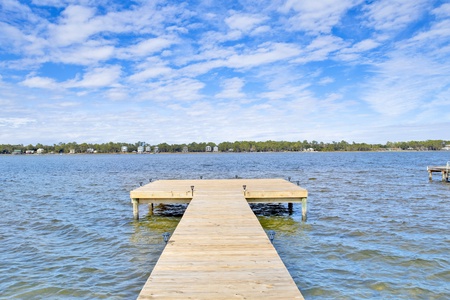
[314,16]
[320,49]
[404,84]
[442,11]
[244,22]
[355,51]
[196,69]
[147,47]
[87,54]
[232,88]
[435,40]
[15,122]
[12,37]
[365,45]
[392,15]
[325,80]
[101,77]
[98,78]
[40,82]
[260,30]
[179,89]
[75,26]
[150,73]
[265,54]
[117,94]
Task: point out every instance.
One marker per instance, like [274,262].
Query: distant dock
[219,250]
[444,170]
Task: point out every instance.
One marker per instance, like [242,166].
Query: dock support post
[444,176]
[135,202]
[290,208]
[304,209]
[150,209]
[430,175]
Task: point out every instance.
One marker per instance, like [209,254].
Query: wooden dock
[219,249]
[444,170]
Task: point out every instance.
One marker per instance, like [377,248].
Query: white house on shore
[124,149]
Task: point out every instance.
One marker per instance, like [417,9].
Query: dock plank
[219,249]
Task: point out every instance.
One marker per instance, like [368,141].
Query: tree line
[237,146]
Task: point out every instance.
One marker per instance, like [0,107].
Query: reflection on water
[377,228]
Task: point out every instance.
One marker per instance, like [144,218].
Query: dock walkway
[444,170]
[219,249]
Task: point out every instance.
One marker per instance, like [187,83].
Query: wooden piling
[135,202]
[304,209]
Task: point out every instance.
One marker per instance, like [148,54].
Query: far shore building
[72,151]
[140,149]
[124,149]
[90,150]
[156,149]
[40,151]
[185,149]
[29,152]
[148,149]
[208,149]
[216,149]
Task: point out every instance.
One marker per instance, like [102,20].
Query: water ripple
[377,228]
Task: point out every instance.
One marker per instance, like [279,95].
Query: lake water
[377,228]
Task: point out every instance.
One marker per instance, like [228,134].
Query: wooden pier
[219,249]
[444,170]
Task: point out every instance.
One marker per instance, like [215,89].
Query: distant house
[29,152]
[148,149]
[40,151]
[15,152]
[72,151]
[447,148]
[90,150]
[208,149]
[124,149]
[185,149]
[140,149]
[216,149]
[156,149]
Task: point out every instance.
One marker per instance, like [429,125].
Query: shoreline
[218,153]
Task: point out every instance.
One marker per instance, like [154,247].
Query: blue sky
[179,72]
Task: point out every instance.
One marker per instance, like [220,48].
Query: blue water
[377,227]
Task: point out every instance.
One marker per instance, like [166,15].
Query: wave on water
[377,227]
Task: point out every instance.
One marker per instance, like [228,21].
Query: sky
[212,71]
